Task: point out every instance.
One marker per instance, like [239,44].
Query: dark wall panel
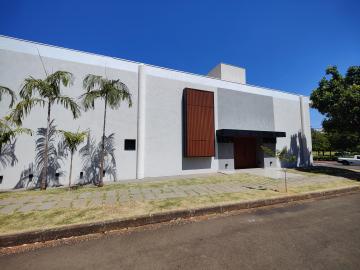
[199,131]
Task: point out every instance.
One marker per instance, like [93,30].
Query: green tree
[45,92]
[72,141]
[344,141]
[320,141]
[9,130]
[338,99]
[113,92]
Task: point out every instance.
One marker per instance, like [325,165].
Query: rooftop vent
[228,73]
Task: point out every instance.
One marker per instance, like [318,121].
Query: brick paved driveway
[129,193]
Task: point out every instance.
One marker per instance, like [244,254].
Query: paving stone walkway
[127,195]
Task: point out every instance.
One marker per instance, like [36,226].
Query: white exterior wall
[15,66]
[157,124]
[164,141]
[287,117]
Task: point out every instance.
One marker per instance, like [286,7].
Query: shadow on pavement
[340,172]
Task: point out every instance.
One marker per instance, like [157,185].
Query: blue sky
[284,45]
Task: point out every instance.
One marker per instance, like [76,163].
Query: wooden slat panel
[199,123]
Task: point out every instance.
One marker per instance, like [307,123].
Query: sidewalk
[28,210]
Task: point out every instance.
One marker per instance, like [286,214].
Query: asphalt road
[321,234]
[335,164]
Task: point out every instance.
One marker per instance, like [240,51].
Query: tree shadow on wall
[7,154]
[57,153]
[90,155]
[28,177]
[299,149]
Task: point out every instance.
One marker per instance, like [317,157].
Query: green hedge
[325,158]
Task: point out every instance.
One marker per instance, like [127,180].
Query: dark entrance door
[245,153]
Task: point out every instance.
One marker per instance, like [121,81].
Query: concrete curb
[8,240]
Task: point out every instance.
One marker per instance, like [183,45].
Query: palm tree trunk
[103,147]
[44,176]
[71,160]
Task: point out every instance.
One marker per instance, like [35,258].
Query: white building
[180,123]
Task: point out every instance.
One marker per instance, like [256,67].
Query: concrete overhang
[225,134]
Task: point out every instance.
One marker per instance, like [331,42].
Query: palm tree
[72,141]
[49,93]
[8,132]
[112,92]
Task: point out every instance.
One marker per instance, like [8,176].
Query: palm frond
[91,82]
[69,103]
[60,77]
[88,99]
[24,107]
[117,91]
[8,91]
[9,130]
[31,85]
[73,139]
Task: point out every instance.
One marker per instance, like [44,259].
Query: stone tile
[97,196]
[178,192]
[164,196]
[149,195]
[80,203]
[47,205]
[28,207]
[136,197]
[134,191]
[111,193]
[213,189]
[9,209]
[111,199]
[124,199]
[38,199]
[86,195]
[173,195]
[196,192]
[64,204]
[123,192]
[6,202]
[167,190]
[95,202]
[189,192]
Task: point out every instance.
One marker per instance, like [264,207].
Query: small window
[1,178]
[130,145]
